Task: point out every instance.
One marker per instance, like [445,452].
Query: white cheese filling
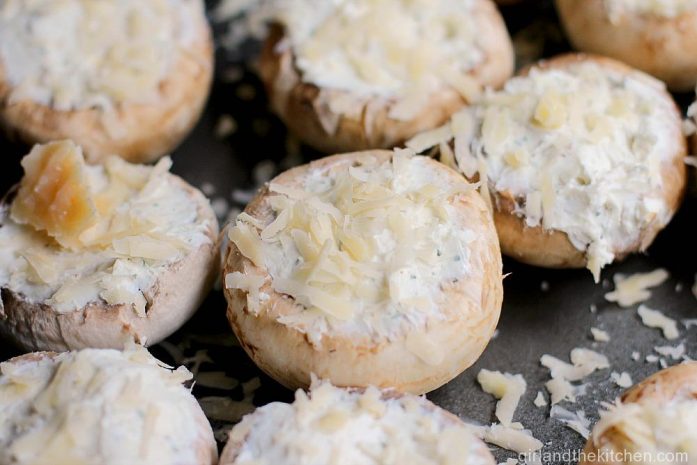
[578,150]
[648,429]
[366,250]
[658,8]
[396,49]
[338,427]
[75,54]
[96,407]
[151,223]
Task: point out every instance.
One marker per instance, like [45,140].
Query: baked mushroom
[100,407]
[653,422]
[95,256]
[120,77]
[369,268]
[583,156]
[330,425]
[356,75]
[655,36]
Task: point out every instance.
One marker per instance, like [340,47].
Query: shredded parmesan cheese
[656,319]
[517,440]
[583,363]
[75,54]
[576,421]
[676,353]
[600,335]
[370,428]
[540,400]
[631,290]
[361,248]
[623,380]
[579,150]
[505,387]
[96,407]
[133,222]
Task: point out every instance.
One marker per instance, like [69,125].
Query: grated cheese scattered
[505,387]
[623,380]
[655,319]
[540,400]
[633,289]
[576,421]
[517,440]
[561,389]
[676,353]
[599,335]
[583,363]
[362,247]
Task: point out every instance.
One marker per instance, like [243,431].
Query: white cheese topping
[623,380]
[339,427]
[403,49]
[655,319]
[648,429]
[540,400]
[583,363]
[74,54]
[600,335]
[366,248]
[576,421]
[96,407]
[513,438]
[507,388]
[659,8]
[578,150]
[630,290]
[675,353]
[144,222]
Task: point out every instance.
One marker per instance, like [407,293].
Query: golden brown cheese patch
[54,195]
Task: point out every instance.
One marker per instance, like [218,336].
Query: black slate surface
[534,320]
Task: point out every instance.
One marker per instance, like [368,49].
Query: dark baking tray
[544,311]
